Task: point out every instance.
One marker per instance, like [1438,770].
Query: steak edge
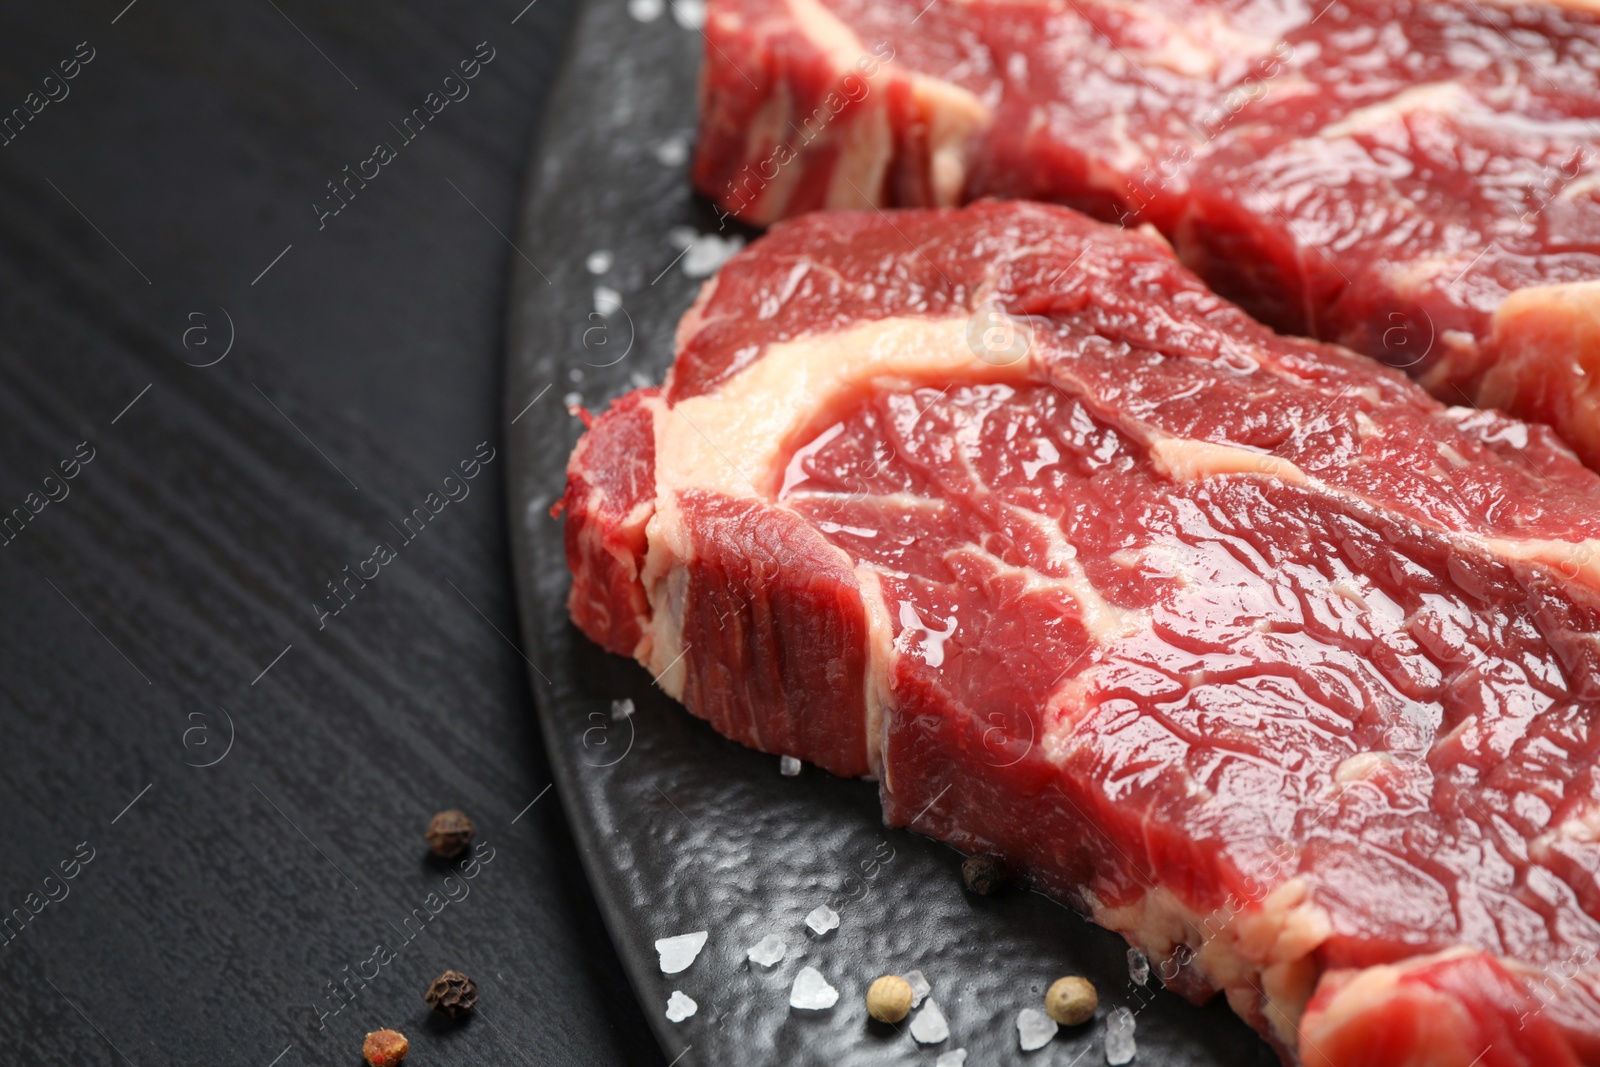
[1241,644]
[1415,180]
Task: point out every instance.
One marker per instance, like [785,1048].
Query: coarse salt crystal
[919,986]
[1138,967]
[708,253]
[769,951]
[1035,1028]
[690,14]
[621,709]
[930,1027]
[678,952]
[811,991]
[788,766]
[680,1007]
[1120,1047]
[599,261]
[953,1058]
[606,299]
[822,919]
[673,152]
[646,10]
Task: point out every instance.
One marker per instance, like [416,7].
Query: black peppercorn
[984,873]
[450,833]
[452,994]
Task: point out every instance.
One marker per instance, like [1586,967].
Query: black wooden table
[258,619]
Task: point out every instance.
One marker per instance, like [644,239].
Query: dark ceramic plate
[681,830]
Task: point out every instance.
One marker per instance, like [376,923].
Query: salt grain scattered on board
[769,951]
[822,919]
[1120,1047]
[788,766]
[606,299]
[930,1027]
[599,261]
[708,253]
[1035,1028]
[680,1007]
[572,400]
[919,986]
[1138,967]
[621,709]
[678,952]
[811,991]
[690,14]
[673,152]
[646,10]
[953,1058]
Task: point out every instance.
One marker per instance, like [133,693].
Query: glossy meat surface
[1414,180]
[1243,645]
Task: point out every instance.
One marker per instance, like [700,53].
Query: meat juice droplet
[1120,1047]
[1138,967]
[912,628]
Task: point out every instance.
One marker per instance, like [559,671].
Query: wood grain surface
[264,392]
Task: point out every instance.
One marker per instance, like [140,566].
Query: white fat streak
[1185,460]
[1540,329]
[1250,950]
[731,442]
[1197,46]
[1573,560]
[665,579]
[1372,989]
[880,656]
[1585,6]
[1104,621]
[897,501]
[866,147]
[953,116]
[770,128]
[1445,98]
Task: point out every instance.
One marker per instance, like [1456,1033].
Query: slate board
[681,830]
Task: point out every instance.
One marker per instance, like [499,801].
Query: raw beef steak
[1415,180]
[1242,644]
